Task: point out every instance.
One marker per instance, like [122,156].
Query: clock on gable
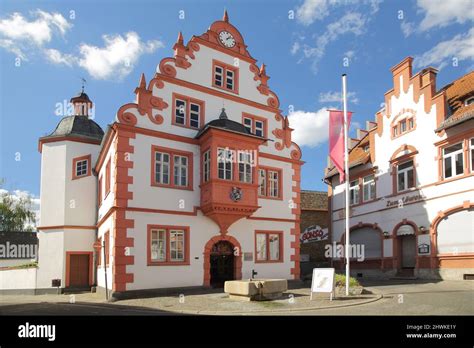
[226,39]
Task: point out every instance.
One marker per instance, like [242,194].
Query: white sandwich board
[323,281]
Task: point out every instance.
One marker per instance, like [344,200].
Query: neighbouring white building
[195,183]
[412,181]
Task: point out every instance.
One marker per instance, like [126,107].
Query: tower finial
[142,83]
[226,16]
[262,69]
[83,83]
[180,38]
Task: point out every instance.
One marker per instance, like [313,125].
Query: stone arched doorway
[222,261]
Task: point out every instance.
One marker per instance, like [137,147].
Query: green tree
[16,213]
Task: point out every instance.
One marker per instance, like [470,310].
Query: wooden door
[79,271]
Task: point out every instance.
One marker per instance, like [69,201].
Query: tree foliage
[16,213]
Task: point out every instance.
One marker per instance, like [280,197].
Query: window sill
[276,261]
[225,89]
[80,177]
[175,187]
[170,263]
[462,176]
[272,198]
[186,126]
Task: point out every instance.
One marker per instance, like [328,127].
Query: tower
[69,198]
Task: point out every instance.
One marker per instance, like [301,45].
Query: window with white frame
[254,125]
[167,244]
[229,81]
[368,184]
[405,176]
[180,164]
[269,184]
[268,246]
[206,164]
[82,167]
[403,126]
[273,183]
[259,128]
[472,154]
[176,245]
[354,192]
[248,122]
[245,166]
[187,112]
[218,76]
[158,245]
[225,163]
[262,182]
[194,114]
[180,111]
[453,161]
[162,168]
[225,76]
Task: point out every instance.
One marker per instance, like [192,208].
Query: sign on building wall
[323,281]
[424,244]
[314,234]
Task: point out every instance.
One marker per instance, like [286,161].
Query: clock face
[227,39]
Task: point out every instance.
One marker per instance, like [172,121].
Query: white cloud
[352,22]
[310,128]
[460,47]
[314,10]
[114,60]
[19,35]
[118,56]
[336,97]
[17,195]
[407,28]
[349,54]
[440,13]
[295,48]
[56,57]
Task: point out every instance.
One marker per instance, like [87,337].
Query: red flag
[336,139]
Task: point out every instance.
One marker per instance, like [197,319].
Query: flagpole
[346,176]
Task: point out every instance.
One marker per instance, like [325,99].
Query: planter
[353,291]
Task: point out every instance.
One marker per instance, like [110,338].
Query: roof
[456,94]
[314,200]
[77,126]
[225,124]
[357,156]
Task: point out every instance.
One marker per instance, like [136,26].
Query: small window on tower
[81,167]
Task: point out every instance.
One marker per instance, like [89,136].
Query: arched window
[455,233]
[370,238]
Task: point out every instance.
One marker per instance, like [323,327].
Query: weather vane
[83,83]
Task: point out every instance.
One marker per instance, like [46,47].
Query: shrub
[341,281]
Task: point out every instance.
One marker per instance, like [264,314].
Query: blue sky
[110,43]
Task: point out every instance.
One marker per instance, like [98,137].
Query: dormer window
[225,76]
[469,101]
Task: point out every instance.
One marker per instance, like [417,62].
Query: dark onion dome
[224,123]
[77,126]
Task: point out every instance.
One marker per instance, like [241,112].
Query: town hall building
[195,183]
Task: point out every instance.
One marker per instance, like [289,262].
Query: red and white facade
[412,181]
[164,198]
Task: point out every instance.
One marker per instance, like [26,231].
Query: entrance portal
[222,263]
